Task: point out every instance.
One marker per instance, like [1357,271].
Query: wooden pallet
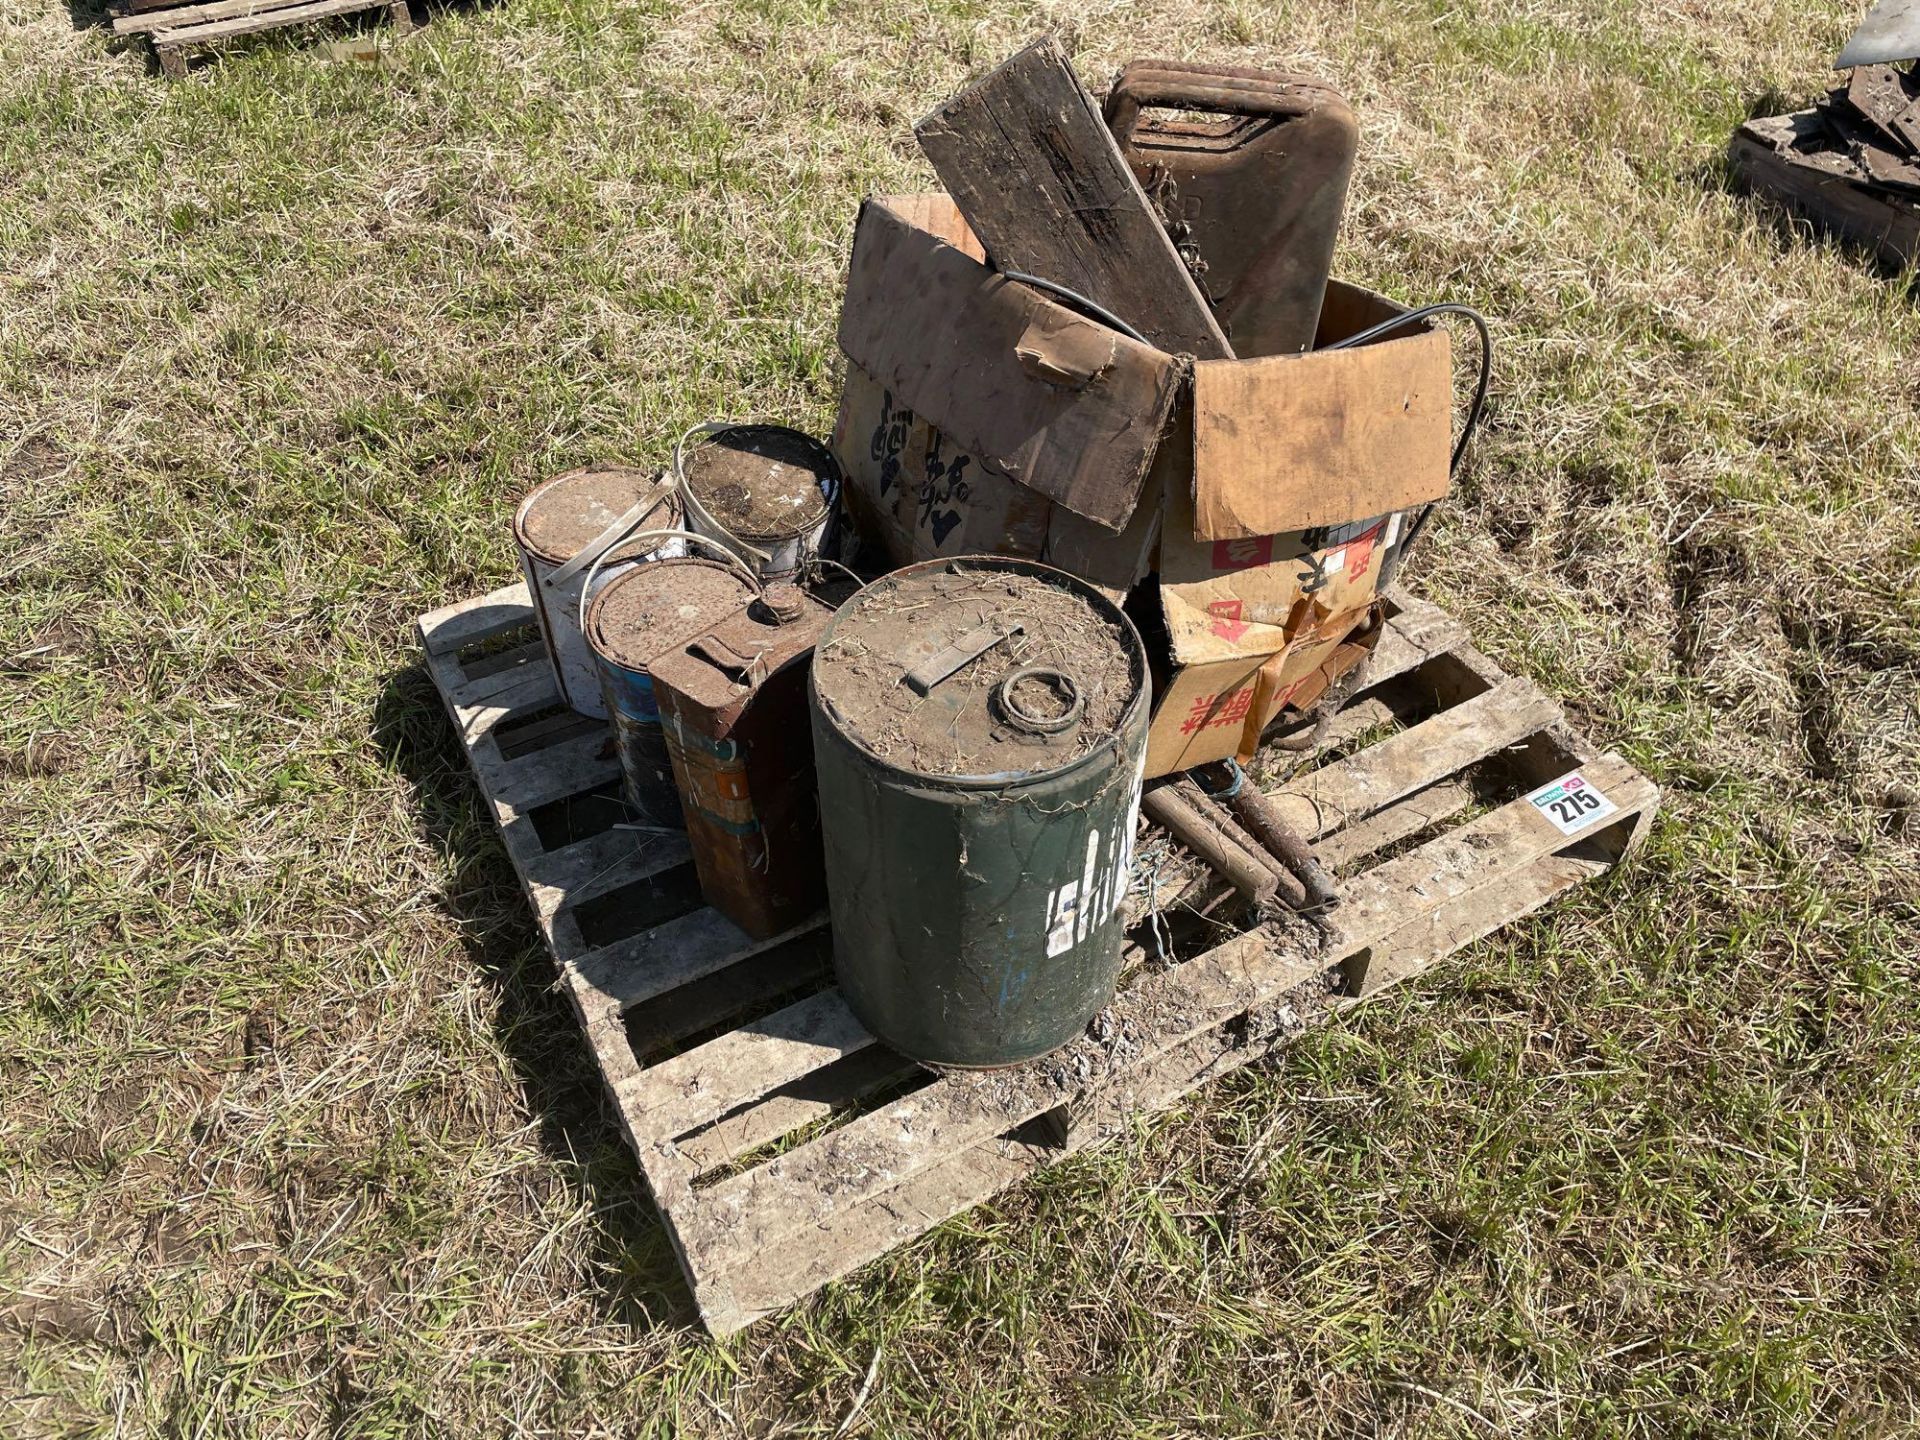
[181,30]
[785,1147]
[1781,156]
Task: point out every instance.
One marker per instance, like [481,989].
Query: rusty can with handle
[733,703]
[573,531]
[651,609]
[980,730]
[1251,192]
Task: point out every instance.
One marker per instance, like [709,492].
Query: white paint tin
[554,523]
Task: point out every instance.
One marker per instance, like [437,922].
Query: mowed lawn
[295,1135]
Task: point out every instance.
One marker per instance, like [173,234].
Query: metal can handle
[1214,89]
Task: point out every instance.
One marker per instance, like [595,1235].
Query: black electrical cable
[1093,308]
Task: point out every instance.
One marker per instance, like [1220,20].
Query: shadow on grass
[536,1026]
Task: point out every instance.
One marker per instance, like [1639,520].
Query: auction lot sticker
[1571,803]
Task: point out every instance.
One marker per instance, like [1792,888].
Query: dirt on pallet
[959,727]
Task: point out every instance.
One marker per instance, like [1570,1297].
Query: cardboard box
[979,416]
[1217,709]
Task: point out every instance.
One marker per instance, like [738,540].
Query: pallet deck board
[179,31]
[785,1147]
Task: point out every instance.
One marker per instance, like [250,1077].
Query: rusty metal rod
[1228,783]
[1287,886]
[1240,867]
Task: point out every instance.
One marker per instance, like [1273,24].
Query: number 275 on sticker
[1572,803]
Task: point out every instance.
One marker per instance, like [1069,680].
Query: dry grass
[296,1138]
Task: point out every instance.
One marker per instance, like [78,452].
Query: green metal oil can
[979,730]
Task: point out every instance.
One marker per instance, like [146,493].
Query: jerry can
[1253,196]
[733,707]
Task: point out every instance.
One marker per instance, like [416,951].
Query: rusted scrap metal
[1228,784]
[1241,843]
[1851,164]
[1212,837]
[1866,131]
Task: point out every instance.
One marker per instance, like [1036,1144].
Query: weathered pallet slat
[181,30]
[723,1056]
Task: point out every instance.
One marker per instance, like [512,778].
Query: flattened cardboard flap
[1288,442]
[1065,406]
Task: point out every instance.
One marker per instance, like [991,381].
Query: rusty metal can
[980,732]
[647,610]
[733,710]
[768,493]
[568,515]
[1252,194]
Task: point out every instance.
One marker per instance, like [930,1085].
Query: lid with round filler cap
[978,668]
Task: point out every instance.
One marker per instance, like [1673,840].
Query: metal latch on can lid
[962,652]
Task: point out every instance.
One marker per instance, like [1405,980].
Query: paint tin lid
[571,509]
[979,667]
[762,482]
[654,608]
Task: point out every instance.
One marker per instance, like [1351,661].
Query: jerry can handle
[1151,85]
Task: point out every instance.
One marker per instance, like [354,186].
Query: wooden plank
[1461,922]
[528,652]
[1762,157]
[677,953]
[1409,816]
[1321,801]
[742,1217]
[802,1102]
[706,1082]
[599,863]
[666,1174]
[1107,1109]
[481,703]
[845,1241]
[299,14]
[569,768]
[1031,164]
[1416,632]
[759,983]
[147,18]
[517,736]
[1449,866]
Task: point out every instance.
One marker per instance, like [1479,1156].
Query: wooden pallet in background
[180,30]
[785,1147]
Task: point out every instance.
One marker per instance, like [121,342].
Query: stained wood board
[1028,158]
[1774,157]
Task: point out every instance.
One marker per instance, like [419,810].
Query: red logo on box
[1360,551]
[1243,554]
[1227,623]
[1202,715]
